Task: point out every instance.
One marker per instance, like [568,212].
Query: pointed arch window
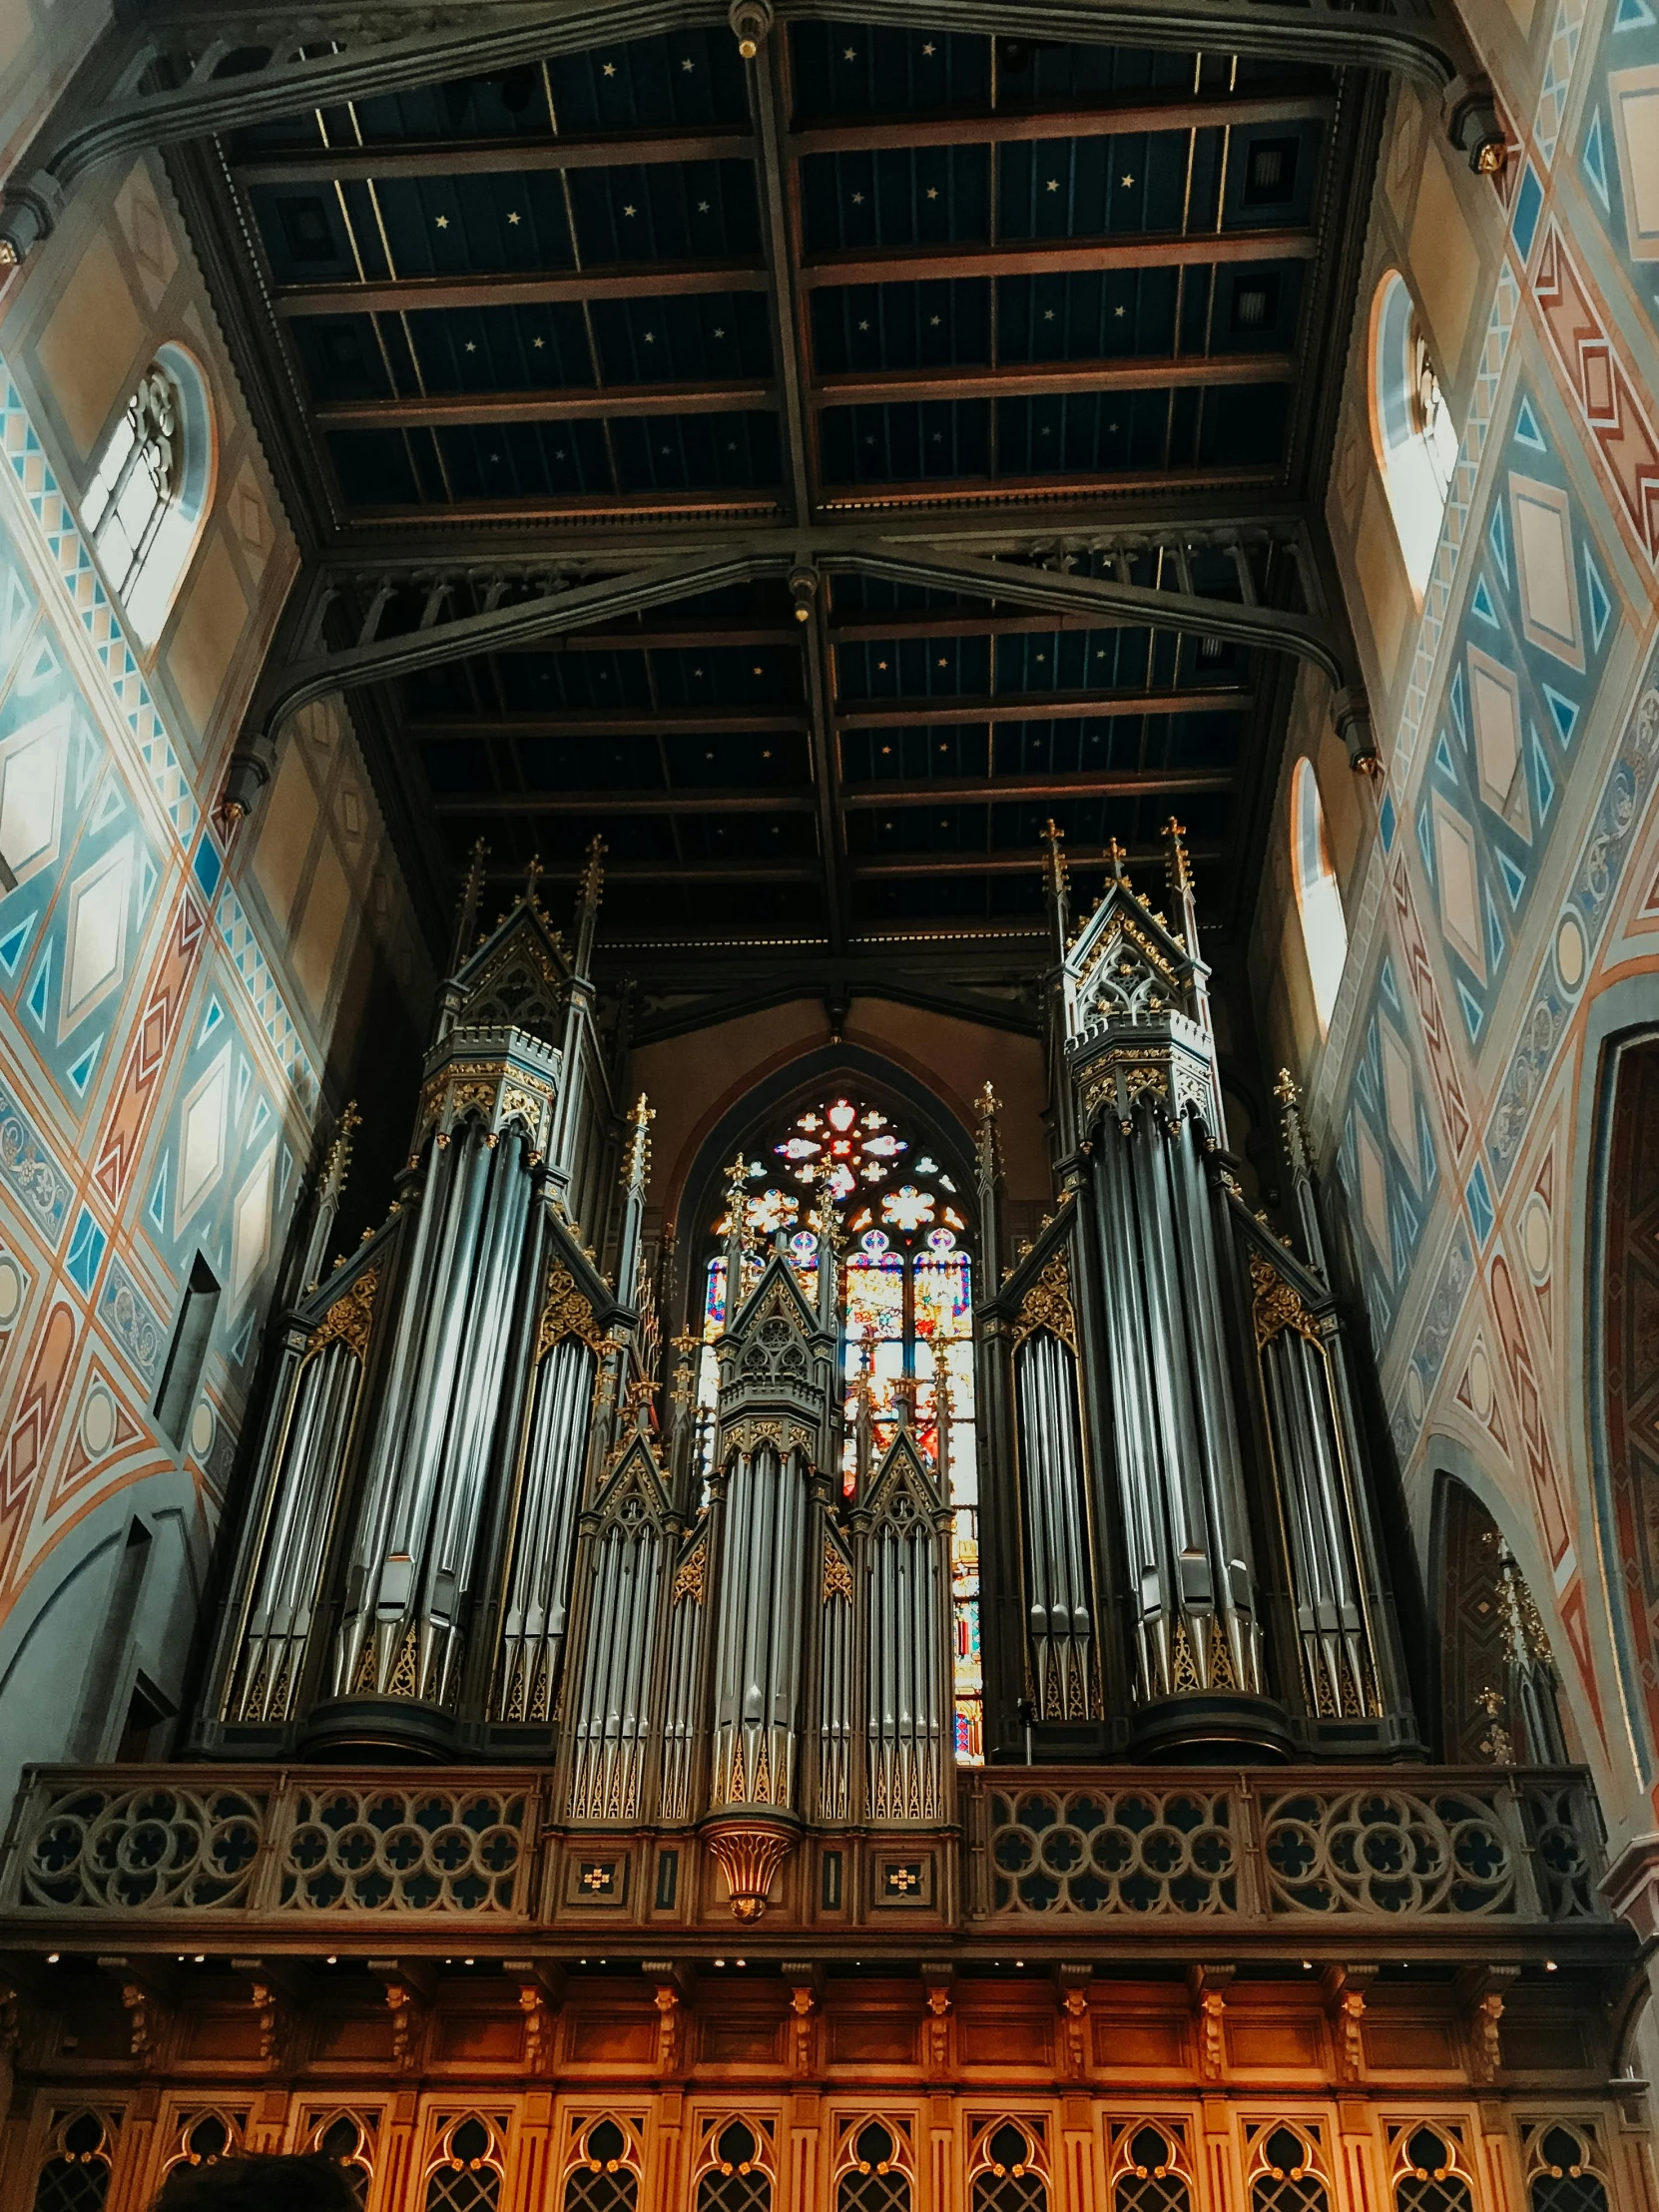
[1319,896]
[75,2176]
[1415,437]
[152,489]
[906,1319]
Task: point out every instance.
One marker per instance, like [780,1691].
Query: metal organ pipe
[549,1496]
[424,1495]
[1060,1614]
[1327,1588]
[301,1486]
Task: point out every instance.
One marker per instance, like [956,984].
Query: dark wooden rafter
[947,790]
[439,410]
[646,149]
[557,605]
[157,79]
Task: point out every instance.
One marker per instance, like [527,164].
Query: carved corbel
[1343,1990]
[937,1977]
[1071,1987]
[806,1980]
[1207,1988]
[410,1987]
[541,1989]
[279,2000]
[147,1994]
[675,1980]
[1481,1994]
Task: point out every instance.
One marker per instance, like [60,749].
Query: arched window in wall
[1417,440]
[466,2167]
[1564,2172]
[1150,2174]
[1285,2178]
[1008,2174]
[152,488]
[603,2176]
[75,2174]
[1428,2174]
[875,2179]
[736,2179]
[1319,899]
[907,1315]
[348,2138]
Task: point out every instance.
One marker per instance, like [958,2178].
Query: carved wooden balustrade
[1472,1861]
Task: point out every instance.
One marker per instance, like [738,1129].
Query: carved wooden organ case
[1188,1554]
[481,1523]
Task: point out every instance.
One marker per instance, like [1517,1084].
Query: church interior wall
[174,1057]
[1502,879]
[181,1006]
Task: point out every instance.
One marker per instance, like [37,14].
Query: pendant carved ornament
[1047,1304]
[838,1575]
[565,1312]
[350,1319]
[785,1435]
[1277,1305]
[690,1576]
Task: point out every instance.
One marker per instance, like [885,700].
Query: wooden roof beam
[1054,379]
[749,801]
[492,157]
[476,409]
[505,289]
[970,790]
[887,865]
[1059,258]
[1110,119]
[1040,706]
[625,722]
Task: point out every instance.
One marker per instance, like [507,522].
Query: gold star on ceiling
[1054,183]
[512,214]
[443,222]
[630,210]
[609,69]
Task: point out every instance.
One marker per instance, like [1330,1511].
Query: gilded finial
[472,892]
[1054,861]
[1285,1090]
[1115,859]
[532,882]
[987,1105]
[593,874]
[1180,868]
[639,1147]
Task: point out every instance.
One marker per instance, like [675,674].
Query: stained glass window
[906,1321]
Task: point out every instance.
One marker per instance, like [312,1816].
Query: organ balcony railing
[1464,1861]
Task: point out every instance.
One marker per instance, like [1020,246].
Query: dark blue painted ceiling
[1021,280]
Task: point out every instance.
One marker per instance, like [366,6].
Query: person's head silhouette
[258,2185]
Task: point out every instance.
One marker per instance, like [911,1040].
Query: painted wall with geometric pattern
[170,997]
[1502,885]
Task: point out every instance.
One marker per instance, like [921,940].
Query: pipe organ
[480,1523]
[561,1656]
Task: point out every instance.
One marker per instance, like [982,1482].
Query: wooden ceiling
[1079,307]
